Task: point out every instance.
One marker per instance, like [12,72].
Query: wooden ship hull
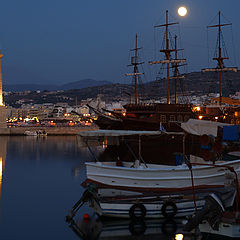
[151,117]
[158,116]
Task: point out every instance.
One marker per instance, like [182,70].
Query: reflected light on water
[179,236]
[1,173]
[1,101]
[105,143]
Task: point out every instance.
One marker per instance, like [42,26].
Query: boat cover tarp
[231,133]
[201,127]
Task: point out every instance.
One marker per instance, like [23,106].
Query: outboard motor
[211,211]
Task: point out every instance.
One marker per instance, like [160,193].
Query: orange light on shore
[1,169]
[200,117]
[197,109]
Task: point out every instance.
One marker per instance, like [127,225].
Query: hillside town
[26,111]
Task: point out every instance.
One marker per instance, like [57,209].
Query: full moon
[182,11]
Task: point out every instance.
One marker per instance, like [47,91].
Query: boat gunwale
[140,189]
[147,179]
[182,167]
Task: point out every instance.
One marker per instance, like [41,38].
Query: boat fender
[169,227]
[137,227]
[137,211]
[169,209]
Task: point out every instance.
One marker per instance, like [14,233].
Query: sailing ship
[153,116]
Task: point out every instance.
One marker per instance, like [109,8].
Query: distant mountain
[84,84]
[194,84]
[72,85]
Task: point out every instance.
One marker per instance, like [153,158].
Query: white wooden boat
[127,179]
[155,177]
[30,133]
[38,133]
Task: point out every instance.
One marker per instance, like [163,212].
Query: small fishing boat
[30,133]
[38,133]
[141,176]
[142,190]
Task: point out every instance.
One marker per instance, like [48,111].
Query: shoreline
[51,131]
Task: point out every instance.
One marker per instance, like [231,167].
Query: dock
[64,131]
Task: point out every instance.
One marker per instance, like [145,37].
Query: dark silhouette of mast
[220,66]
[175,69]
[176,76]
[167,52]
[135,74]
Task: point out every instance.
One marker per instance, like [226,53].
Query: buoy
[86,217]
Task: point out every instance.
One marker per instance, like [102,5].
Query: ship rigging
[220,58]
[168,59]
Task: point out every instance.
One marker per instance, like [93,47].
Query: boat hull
[117,203]
[153,210]
[168,178]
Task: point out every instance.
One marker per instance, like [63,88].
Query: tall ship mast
[168,58]
[155,116]
[175,66]
[220,58]
[136,74]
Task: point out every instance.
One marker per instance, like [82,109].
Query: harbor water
[40,181]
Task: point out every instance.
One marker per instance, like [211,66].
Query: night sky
[61,41]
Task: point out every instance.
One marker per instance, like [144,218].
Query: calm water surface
[39,183]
